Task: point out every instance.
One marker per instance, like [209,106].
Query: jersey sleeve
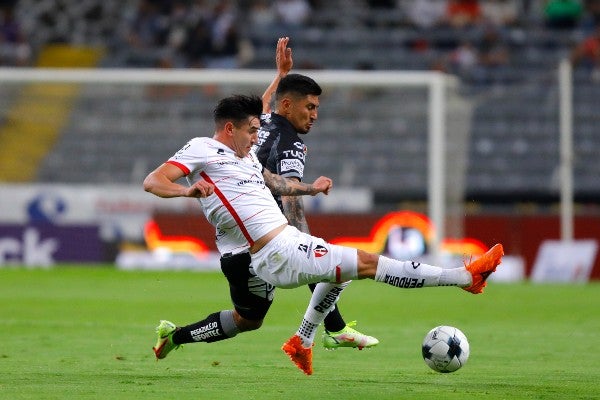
[190,157]
[291,155]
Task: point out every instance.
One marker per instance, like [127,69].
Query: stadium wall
[520,234]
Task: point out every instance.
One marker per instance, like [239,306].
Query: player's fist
[200,189]
[322,184]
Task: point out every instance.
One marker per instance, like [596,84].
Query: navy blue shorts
[251,296]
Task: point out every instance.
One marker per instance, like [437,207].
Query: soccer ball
[445,349]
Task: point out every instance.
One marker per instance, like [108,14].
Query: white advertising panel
[564,261]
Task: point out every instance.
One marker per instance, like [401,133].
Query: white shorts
[294,258]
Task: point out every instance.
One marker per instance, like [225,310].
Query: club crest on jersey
[320,251]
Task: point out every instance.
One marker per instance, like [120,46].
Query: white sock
[456,277]
[307,332]
[413,274]
[322,301]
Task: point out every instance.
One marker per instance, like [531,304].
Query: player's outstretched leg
[300,355]
[348,337]
[164,344]
[483,267]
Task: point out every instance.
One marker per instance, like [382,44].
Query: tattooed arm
[290,190]
[290,187]
[293,209]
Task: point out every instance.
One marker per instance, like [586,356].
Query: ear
[228,128]
[285,104]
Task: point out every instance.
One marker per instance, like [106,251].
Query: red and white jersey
[242,209]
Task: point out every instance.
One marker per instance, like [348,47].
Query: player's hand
[200,189]
[283,56]
[323,185]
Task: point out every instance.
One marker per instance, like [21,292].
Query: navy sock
[217,326]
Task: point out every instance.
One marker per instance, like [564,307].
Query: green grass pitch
[87,333]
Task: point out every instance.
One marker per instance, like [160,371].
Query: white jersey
[239,220]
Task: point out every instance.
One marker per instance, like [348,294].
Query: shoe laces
[347,329]
[349,325]
[465,260]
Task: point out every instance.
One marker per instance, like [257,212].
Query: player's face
[302,112]
[245,135]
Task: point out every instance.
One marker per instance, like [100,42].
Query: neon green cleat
[165,344]
[348,337]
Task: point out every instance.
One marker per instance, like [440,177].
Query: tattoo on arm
[286,187]
[293,209]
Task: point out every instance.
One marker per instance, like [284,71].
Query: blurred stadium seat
[513,142]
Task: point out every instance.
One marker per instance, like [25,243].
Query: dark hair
[237,108]
[297,84]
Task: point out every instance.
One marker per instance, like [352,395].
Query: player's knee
[249,324]
[245,324]
[367,264]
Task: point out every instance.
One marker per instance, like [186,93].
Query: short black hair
[237,108]
[297,84]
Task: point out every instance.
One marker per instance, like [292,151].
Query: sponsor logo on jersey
[307,249]
[291,165]
[300,146]
[220,151]
[263,135]
[299,154]
[180,151]
[303,248]
[227,163]
[253,179]
[415,264]
[266,118]
[320,251]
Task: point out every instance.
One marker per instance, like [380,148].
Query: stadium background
[504,53]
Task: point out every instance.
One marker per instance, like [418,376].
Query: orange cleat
[301,356]
[483,267]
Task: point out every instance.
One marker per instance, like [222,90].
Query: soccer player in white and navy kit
[281,150]
[225,176]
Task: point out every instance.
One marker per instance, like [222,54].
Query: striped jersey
[242,208]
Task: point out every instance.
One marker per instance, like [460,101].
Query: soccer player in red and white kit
[234,192]
[281,150]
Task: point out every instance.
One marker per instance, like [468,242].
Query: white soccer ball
[445,349]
